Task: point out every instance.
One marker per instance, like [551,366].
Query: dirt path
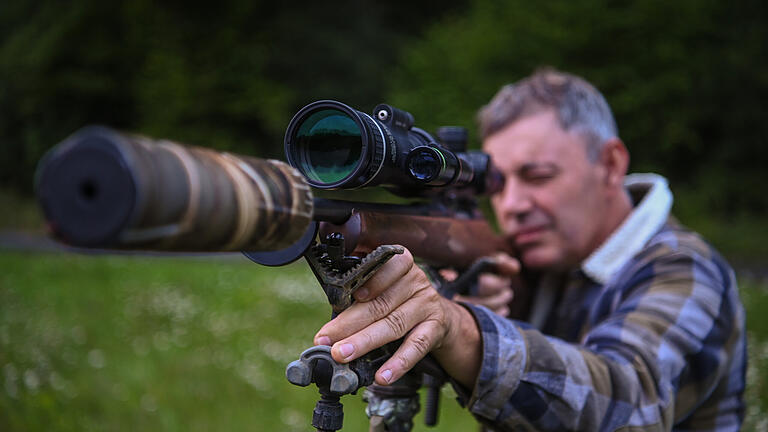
[31,241]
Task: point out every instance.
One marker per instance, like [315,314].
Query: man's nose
[515,202]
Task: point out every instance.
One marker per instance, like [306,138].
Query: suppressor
[103,188]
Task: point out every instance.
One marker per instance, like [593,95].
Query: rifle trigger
[463,283]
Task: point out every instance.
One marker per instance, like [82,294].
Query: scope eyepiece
[432,166]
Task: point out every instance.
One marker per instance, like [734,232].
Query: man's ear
[614,157]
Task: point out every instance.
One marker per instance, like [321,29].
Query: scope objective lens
[329,146]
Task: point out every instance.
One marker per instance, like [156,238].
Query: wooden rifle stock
[437,240]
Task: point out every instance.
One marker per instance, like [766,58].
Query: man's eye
[539,177]
[494,181]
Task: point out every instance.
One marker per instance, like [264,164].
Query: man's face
[553,196]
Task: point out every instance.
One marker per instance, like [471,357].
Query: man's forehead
[537,139]
[525,147]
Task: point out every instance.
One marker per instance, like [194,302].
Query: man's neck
[617,210]
[630,226]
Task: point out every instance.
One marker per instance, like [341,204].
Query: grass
[754,295]
[126,343]
[113,343]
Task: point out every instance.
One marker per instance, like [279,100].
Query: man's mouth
[528,235]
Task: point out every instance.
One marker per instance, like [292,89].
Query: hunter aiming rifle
[104,189]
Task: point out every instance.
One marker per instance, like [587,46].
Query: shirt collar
[642,223]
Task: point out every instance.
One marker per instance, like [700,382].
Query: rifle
[100,188]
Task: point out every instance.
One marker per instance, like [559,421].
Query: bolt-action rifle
[104,189]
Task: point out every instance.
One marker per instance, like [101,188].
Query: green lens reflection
[329,145]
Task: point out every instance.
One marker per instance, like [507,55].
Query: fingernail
[346,350]
[324,340]
[362,293]
[387,375]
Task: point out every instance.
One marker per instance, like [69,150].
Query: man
[637,321]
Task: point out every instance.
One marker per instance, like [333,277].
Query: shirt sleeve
[668,330]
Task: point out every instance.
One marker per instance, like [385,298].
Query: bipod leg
[392,408]
[432,403]
[328,415]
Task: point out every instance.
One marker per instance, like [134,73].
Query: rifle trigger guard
[463,283]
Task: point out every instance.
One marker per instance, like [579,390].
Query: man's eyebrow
[530,166]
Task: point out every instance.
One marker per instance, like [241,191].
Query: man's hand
[495,290]
[398,301]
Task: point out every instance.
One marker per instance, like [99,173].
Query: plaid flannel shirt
[648,334]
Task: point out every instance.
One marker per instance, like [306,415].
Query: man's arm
[673,328]
[671,343]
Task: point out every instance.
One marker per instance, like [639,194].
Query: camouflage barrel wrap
[102,188]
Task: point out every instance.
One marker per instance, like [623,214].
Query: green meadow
[120,343]
[123,343]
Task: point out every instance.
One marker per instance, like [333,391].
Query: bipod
[339,276]
[390,408]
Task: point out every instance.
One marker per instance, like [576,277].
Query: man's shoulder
[674,249]
[676,239]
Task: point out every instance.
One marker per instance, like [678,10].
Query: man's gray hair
[579,106]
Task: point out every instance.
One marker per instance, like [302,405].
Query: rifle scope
[338,147]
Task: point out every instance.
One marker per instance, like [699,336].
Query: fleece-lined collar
[645,220]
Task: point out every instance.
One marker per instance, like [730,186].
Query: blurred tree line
[228,77]
[688,80]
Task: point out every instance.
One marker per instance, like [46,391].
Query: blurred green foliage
[687,79]
[228,77]
[21,213]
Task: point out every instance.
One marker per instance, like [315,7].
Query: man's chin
[539,258]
